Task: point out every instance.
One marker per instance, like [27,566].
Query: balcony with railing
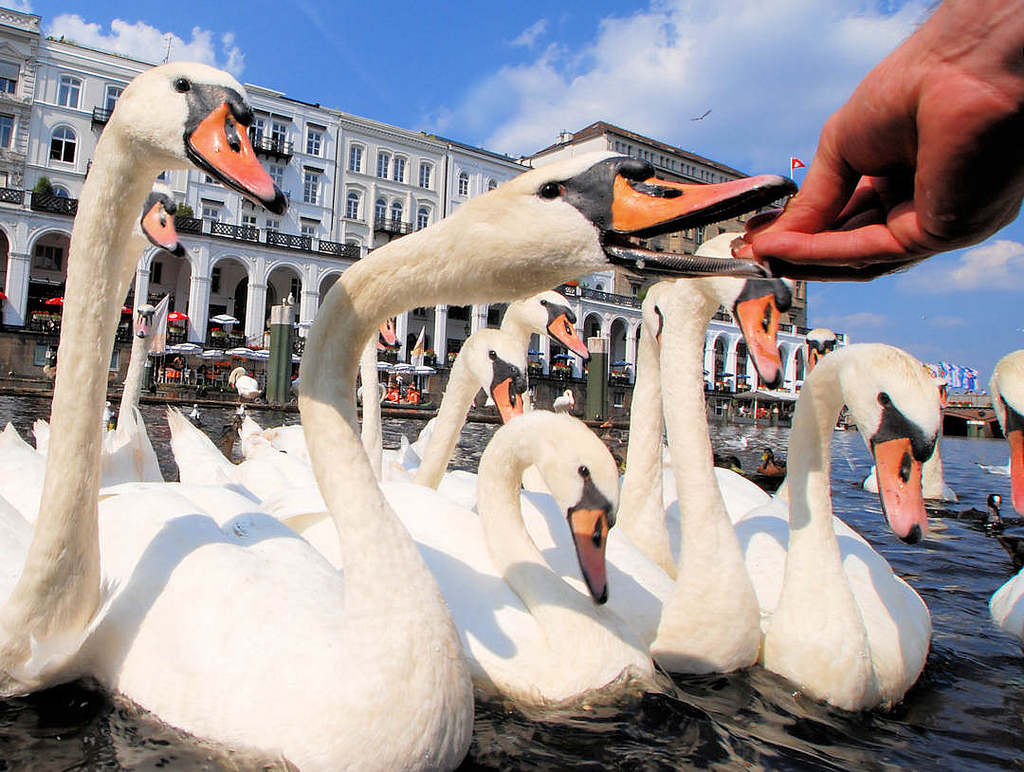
[346,251]
[188,225]
[389,225]
[100,116]
[48,202]
[611,297]
[238,232]
[12,196]
[289,241]
[271,146]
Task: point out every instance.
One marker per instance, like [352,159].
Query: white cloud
[859,320]
[22,6]
[997,264]
[771,73]
[946,321]
[142,41]
[529,36]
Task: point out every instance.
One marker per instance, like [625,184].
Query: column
[255,310]
[441,334]
[477,318]
[309,304]
[730,358]
[545,352]
[402,332]
[709,358]
[631,349]
[198,307]
[141,285]
[19,265]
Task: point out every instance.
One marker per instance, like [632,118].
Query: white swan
[564,402]
[248,388]
[1007,389]
[838,623]
[374,677]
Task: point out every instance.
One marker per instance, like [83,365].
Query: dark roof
[472,148]
[599,128]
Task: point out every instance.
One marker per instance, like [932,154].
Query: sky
[510,76]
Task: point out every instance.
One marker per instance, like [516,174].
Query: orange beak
[222,146]
[508,401]
[563,331]
[758,319]
[655,203]
[812,359]
[899,487]
[1016,440]
[386,334]
[943,396]
[158,226]
[590,534]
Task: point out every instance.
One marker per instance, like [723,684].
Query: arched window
[380,209]
[463,184]
[396,212]
[63,144]
[422,218]
[61,192]
[352,206]
[492,183]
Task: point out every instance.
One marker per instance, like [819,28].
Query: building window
[9,72]
[156,272]
[63,145]
[273,225]
[48,257]
[278,134]
[352,206]
[113,92]
[314,141]
[215,280]
[425,172]
[308,228]
[256,128]
[6,130]
[399,169]
[492,184]
[211,212]
[248,221]
[422,218]
[355,158]
[383,161]
[61,192]
[463,184]
[310,187]
[69,91]
[276,172]
[396,212]
[380,209]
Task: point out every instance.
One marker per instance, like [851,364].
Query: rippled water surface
[965,712]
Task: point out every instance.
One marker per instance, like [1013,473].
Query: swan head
[233,376]
[144,320]
[498,364]
[184,113]
[579,215]
[548,313]
[1007,390]
[584,479]
[386,335]
[896,407]
[819,342]
[157,221]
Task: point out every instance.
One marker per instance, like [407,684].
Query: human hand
[925,156]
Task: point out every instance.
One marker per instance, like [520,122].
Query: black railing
[279,148]
[238,232]
[611,297]
[289,241]
[100,116]
[188,225]
[12,196]
[569,290]
[349,251]
[176,335]
[48,202]
[388,225]
[49,325]
[224,340]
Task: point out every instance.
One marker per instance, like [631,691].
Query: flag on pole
[158,334]
[418,350]
[794,164]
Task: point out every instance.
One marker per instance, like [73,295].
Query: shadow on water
[964,712]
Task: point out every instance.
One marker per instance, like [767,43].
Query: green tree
[43,185]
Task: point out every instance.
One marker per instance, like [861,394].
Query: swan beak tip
[899,488]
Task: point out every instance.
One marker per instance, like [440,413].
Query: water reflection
[965,711]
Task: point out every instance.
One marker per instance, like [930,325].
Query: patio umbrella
[54,302]
[125,310]
[226,319]
[423,370]
[402,367]
[188,348]
[212,353]
[241,351]
[177,316]
[385,367]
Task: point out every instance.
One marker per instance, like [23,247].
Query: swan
[529,636]
[1006,606]
[564,402]
[248,388]
[175,616]
[819,342]
[838,623]
[194,415]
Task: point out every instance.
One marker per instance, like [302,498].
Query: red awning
[177,316]
[55,302]
[125,310]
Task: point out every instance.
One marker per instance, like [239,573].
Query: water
[966,710]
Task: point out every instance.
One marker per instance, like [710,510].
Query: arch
[5,254]
[422,218]
[352,201]
[282,285]
[169,275]
[380,209]
[617,334]
[800,370]
[743,382]
[63,144]
[463,184]
[492,183]
[396,211]
[326,282]
[592,325]
[720,353]
[229,287]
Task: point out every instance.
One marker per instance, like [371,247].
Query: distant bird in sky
[701,117]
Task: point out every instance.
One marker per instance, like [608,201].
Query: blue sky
[510,76]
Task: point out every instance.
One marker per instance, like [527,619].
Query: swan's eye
[181,85]
[883,399]
[544,302]
[550,190]
[492,354]
[584,472]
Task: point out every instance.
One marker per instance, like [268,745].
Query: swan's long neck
[59,590]
[712,581]
[370,433]
[458,397]
[136,360]
[641,509]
